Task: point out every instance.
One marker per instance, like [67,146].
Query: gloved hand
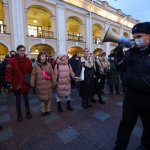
[119,55]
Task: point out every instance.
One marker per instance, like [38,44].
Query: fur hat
[143,27]
[62,54]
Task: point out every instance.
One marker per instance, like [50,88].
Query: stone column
[17,22]
[61,28]
[53,26]
[83,32]
[89,32]
[7,18]
[107,44]
[26,21]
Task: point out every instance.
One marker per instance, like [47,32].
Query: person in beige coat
[42,84]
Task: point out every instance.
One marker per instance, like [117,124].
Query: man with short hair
[18,67]
[136,66]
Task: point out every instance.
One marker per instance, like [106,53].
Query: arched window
[74,29]
[39,22]
[97,31]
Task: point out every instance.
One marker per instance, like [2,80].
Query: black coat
[136,67]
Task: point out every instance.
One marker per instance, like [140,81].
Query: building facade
[59,25]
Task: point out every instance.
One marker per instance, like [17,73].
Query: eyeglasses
[21,50]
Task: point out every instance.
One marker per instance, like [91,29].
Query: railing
[2,28]
[72,37]
[40,33]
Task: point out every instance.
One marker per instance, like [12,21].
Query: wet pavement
[94,128]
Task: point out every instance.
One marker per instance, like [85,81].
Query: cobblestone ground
[92,129]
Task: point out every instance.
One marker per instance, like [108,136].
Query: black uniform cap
[143,27]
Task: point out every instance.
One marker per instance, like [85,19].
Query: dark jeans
[134,106]
[103,79]
[116,88]
[18,102]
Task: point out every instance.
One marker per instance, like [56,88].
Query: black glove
[119,55]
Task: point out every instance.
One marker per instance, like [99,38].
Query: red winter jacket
[16,69]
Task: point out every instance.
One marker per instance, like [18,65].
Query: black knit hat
[143,27]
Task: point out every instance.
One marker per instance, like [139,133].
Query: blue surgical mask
[139,42]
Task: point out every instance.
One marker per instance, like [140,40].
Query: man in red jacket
[18,68]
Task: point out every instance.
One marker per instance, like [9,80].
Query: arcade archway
[39,22]
[75,50]
[97,51]
[3,51]
[36,49]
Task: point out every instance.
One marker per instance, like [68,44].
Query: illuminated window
[1,21]
[34,31]
[1,26]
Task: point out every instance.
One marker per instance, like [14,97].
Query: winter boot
[19,117]
[28,115]
[100,99]
[69,107]
[59,107]
[84,104]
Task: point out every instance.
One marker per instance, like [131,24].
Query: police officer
[136,65]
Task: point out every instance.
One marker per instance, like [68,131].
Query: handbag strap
[40,67]
[101,63]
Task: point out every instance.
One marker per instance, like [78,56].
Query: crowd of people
[89,74]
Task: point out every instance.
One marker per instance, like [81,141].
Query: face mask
[139,42]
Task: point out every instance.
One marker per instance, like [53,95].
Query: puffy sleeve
[33,76]
[56,71]
[72,74]
[52,74]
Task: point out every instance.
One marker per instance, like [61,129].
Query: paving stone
[36,109]
[101,115]
[80,143]
[34,100]
[4,118]
[105,98]
[67,135]
[35,103]
[3,108]
[90,133]
[96,132]
[137,132]
[2,101]
[6,134]
[50,118]
[119,103]
[78,107]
